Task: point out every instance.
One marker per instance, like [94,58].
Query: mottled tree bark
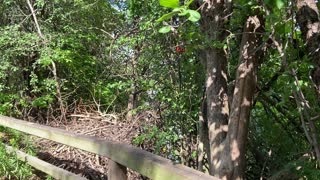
[203,141]
[233,164]
[214,16]
[228,134]
[308,20]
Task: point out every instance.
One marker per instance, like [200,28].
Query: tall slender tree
[228,127]
[213,24]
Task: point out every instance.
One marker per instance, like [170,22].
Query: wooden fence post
[116,171]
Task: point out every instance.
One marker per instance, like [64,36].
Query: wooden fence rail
[121,155]
[53,171]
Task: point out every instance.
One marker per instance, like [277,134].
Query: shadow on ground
[72,166]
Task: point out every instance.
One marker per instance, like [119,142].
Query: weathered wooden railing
[121,155]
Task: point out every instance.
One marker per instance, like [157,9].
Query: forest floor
[107,126]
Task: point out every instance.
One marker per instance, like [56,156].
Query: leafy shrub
[10,166]
[163,141]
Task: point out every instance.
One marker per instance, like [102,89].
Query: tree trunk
[214,16]
[132,103]
[308,20]
[228,135]
[203,141]
[233,164]
[133,96]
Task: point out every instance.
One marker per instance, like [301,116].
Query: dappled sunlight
[236,90]
[224,75]
[217,129]
[209,81]
[246,102]
[235,153]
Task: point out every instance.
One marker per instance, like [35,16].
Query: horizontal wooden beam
[56,172]
[145,163]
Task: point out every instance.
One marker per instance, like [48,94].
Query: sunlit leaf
[166,16]
[165,29]
[183,12]
[169,3]
[279,4]
[194,15]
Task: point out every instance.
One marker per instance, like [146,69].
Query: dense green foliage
[10,166]
[106,51]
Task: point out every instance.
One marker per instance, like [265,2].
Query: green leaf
[152,83]
[194,15]
[183,12]
[189,2]
[194,154]
[225,46]
[166,16]
[178,9]
[165,29]
[279,4]
[169,3]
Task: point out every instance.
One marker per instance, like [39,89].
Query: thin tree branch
[54,68]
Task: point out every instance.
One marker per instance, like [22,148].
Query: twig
[35,19]
[95,129]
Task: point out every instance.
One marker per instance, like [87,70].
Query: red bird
[180,49]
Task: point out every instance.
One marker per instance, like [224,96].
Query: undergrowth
[10,166]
